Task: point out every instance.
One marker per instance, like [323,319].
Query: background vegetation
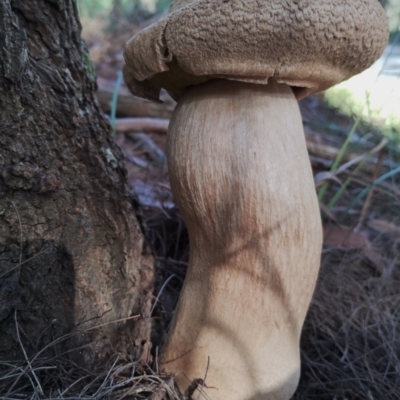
[351,339]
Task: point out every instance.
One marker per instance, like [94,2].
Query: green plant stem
[115,100]
[339,157]
[343,187]
[364,192]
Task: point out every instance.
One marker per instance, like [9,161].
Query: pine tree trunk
[72,252]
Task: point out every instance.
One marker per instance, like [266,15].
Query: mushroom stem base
[241,176]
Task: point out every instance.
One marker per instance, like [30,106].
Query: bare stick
[146,143]
[131,106]
[123,125]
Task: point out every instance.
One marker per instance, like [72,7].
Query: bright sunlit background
[103,8]
[375,93]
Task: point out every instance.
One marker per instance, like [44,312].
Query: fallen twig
[123,125]
[145,142]
[131,106]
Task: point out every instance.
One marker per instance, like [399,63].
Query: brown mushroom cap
[310,45]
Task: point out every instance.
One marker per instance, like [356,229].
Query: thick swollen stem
[242,179]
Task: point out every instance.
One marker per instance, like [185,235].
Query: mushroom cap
[310,45]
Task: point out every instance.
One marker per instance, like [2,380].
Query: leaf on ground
[345,237]
[383,226]
[341,236]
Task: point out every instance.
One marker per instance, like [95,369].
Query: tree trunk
[72,253]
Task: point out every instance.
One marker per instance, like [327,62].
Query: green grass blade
[339,157]
[346,183]
[114,101]
[363,193]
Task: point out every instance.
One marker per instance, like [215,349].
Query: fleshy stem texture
[242,179]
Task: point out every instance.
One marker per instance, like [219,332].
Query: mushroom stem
[242,179]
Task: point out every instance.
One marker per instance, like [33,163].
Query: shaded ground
[350,344]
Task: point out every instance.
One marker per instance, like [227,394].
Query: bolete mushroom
[241,175]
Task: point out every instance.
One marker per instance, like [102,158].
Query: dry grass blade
[350,345]
[362,157]
[37,388]
[119,381]
[20,264]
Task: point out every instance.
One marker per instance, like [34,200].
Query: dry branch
[123,125]
[144,142]
[131,106]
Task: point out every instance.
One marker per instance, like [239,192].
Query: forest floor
[351,339]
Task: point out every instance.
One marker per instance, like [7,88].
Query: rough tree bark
[72,252]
